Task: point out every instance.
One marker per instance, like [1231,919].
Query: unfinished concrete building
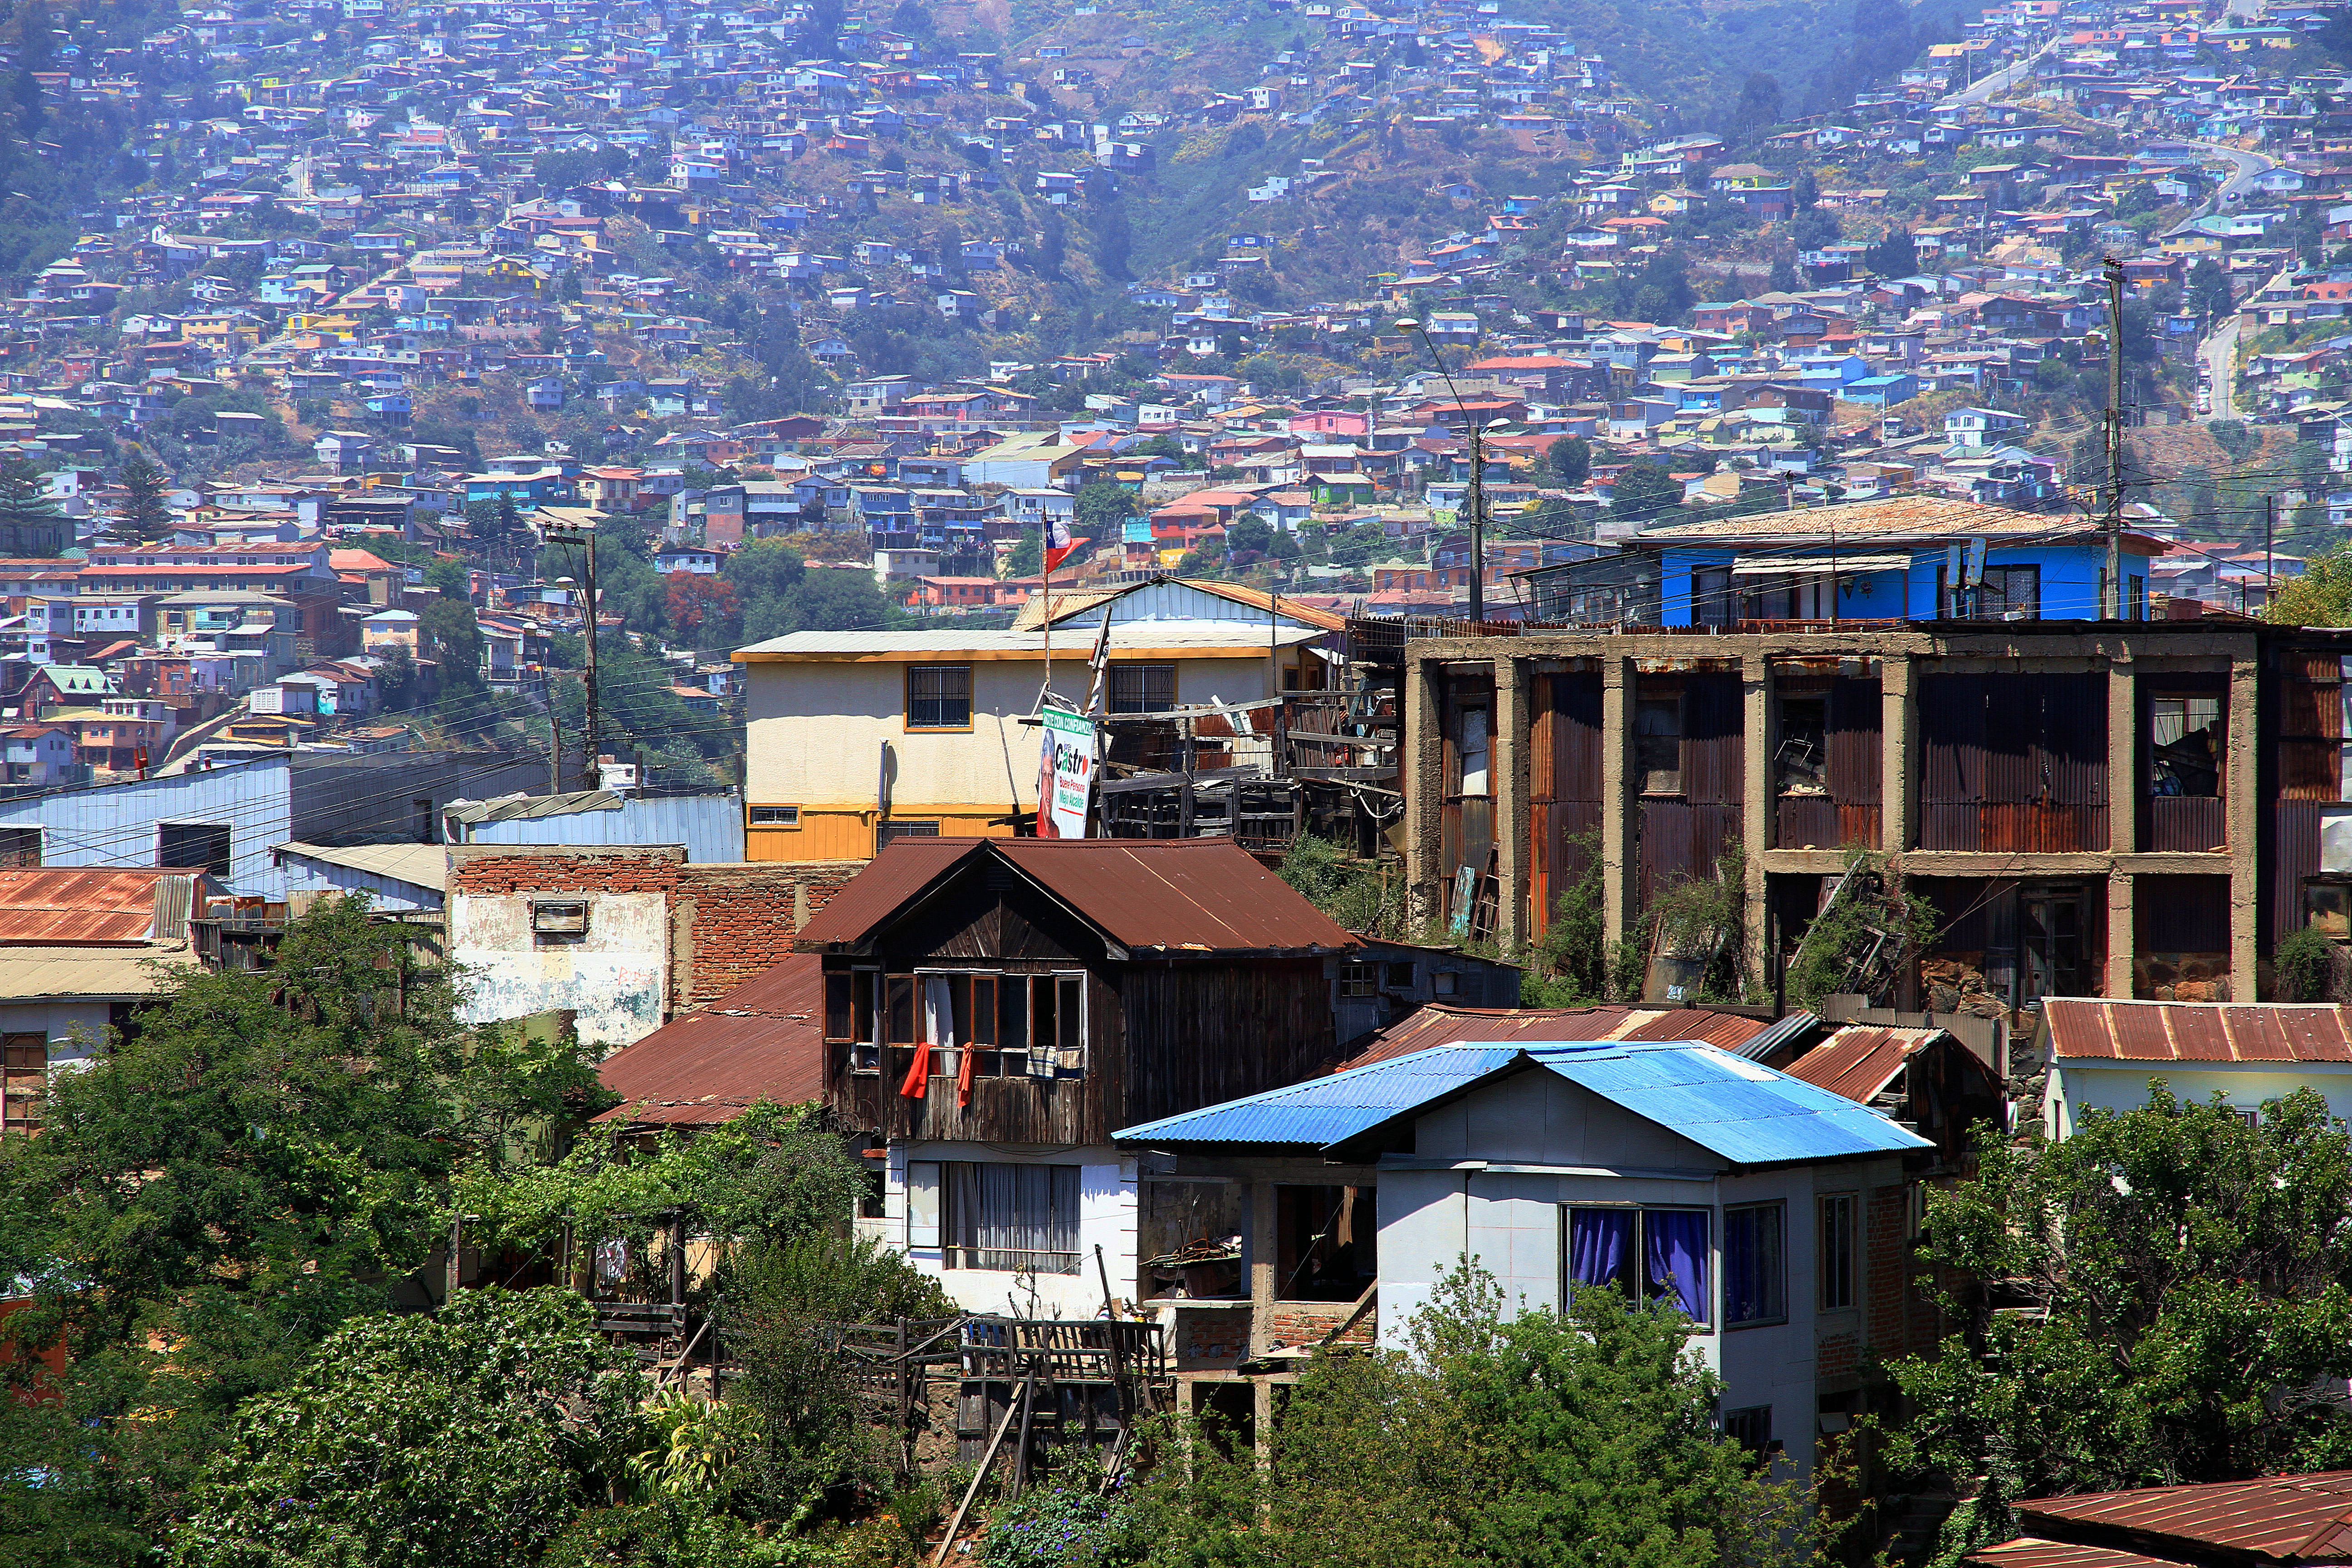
[2119,809]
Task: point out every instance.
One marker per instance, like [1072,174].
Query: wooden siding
[1198,1033]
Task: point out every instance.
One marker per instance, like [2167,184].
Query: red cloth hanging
[919,1076]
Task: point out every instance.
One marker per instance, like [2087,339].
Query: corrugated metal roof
[762,1040]
[1237,633]
[56,905]
[86,973]
[1744,1112]
[1437,1023]
[507,807]
[1887,521]
[2092,1028]
[2286,1519]
[2032,1551]
[1861,1059]
[1178,895]
[419,864]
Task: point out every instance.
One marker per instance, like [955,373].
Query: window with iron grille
[1142,687]
[939,697]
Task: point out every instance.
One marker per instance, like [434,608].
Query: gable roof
[2275,1519]
[1438,1024]
[1740,1111]
[61,906]
[2089,1029]
[1861,1058]
[1189,897]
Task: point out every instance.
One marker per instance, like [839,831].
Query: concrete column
[1514,838]
[1261,1255]
[1898,731]
[1423,763]
[1620,813]
[1756,798]
[2242,822]
[2121,943]
[2122,818]
[2123,759]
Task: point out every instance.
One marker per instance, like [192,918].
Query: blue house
[1918,558]
[1665,1169]
[1883,391]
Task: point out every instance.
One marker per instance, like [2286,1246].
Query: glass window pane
[1752,1290]
[1600,1248]
[1673,1257]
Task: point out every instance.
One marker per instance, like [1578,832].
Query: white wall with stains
[615,977]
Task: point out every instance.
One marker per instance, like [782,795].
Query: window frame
[16,1070]
[997,1050]
[915,727]
[1131,705]
[1066,1262]
[1707,1320]
[791,823]
[549,926]
[1642,770]
[1837,1291]
[862,1043]
[1776,1277]
[1359,978]
[2156,769]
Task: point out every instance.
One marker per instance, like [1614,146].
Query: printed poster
[1065,774]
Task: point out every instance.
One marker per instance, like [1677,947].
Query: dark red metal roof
[1435,1024]
[2032,1551]
[2198,1031]
[1162,896]
[58,906]
[2284,1519]
[762,1040]
[1860,1060]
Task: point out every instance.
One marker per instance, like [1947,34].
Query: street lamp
[1409,326]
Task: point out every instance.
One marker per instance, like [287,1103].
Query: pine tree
[144,513]
[30,522]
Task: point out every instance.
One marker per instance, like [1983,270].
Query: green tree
[1570,459]
[766,575]
[1894,256]
[1028,556]
[472,1434]
[145,514]
[448,630]
[2321,595]
[1250,532]
[26,512]
[1645,493]
[2186,1281]
[1507,1441]
[2209,290]
[263,1159]
[1101,507]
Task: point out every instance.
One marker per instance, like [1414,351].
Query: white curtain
[1008,1216]
[938,1025]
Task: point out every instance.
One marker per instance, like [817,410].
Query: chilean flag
[1059,542]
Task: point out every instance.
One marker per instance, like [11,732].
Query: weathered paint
[615,980]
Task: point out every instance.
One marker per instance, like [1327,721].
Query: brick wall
[1886,1255]
[510,869]
[733,921]
[1838,1355]
[1306,1322]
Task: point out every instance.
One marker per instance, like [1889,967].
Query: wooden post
[972,1491]
[1021,1452]
[456,1241]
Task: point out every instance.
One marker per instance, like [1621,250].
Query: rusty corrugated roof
[1161,896]
[2082,1027]
[1860,1060]
[2283,1519]
[57,906]
[2032,1551]
[762,1040]
[1436,1024]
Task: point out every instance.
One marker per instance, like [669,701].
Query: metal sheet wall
[2295,854]
[2014,763]
[2181,914]
[1564,786]
[1853,750]
[2309,690]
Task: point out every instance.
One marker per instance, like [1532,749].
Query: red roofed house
[2103,1051]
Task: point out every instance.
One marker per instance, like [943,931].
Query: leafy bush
[1349,890]
[1073,1523]
[666,1535]
[2305,965]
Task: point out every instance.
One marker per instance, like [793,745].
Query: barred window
[1142,687]
[939,697]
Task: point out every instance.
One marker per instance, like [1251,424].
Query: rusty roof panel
[2084,1028]
[65,906]
[1437,1023]
[1180,895]
[762,1040]
[1860,1060]
[2286,1519]
[2032,1551]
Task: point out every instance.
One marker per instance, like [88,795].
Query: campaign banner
[1065,774]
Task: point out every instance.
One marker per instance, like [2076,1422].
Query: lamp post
[1409,326]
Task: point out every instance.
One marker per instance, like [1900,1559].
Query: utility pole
[1477,497]
[2270,548]
[586,540]
[2113,587]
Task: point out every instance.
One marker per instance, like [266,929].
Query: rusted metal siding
[2198,824]
[1682,836]
[1852,749]
[1565,794]
[1466,822]
[2309,701]
[2181,914]
[2295,854]
[2014,763]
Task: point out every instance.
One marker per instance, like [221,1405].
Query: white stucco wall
[2076,1083]
[75,1030]
[1106,1218]
[615,979]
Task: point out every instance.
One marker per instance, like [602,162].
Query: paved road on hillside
[2001,81]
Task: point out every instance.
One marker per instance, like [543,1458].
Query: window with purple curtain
[1753,1289]
[1599,1248]
[1646,1253]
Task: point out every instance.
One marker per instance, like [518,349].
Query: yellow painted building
[847,731]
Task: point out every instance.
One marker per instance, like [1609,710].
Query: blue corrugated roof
[1748,1113]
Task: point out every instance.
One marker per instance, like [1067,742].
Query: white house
[2102,1053]
[1773,1212]
[1975,428]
